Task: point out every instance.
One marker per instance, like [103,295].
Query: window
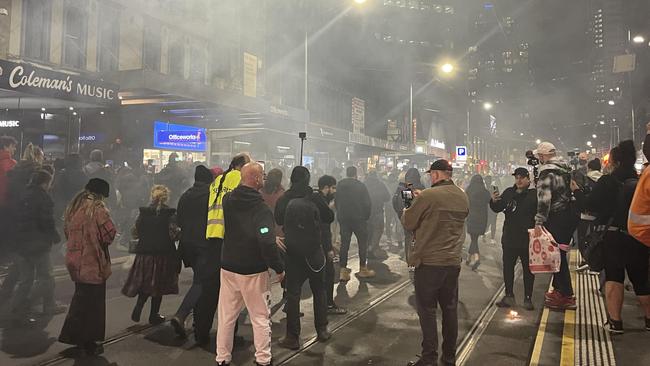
[37,17]
[152,45]
[74,34]
[177,58]
[197,64]
[108,38]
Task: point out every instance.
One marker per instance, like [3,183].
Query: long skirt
[86,320]
[152,275]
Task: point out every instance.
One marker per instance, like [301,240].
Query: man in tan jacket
[437,216]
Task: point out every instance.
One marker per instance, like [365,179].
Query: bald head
[252,175]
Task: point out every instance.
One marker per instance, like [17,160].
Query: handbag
[544,252]
[594,246]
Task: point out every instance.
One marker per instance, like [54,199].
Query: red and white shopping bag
[544,252]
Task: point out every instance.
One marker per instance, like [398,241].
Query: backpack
[398,203]
[302,227]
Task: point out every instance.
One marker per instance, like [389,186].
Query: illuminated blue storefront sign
[170,136]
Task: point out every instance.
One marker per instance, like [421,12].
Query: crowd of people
[234,228]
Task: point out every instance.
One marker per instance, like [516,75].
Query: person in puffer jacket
[558,199]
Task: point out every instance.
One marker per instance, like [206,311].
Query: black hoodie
[325,216]
[249,244]
[191,214]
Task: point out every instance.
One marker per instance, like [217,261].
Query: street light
[538,141]
[360,2]
[594,136]
[611,102]
[447,68]
[487,106]
[588,143]
[638,39]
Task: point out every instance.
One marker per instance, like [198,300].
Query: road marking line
[539,339]
[567,355]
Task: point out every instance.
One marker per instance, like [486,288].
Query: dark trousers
[392,223]
[375,230]
[437,285]
[191,297]
[360,230]
[560,226]
[473,245]
[208,267]
[330,279]
[12,277]
[36,267]
[297,273]
[510,256]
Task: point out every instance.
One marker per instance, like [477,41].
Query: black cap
[98,186]
[441,164]
[521,172]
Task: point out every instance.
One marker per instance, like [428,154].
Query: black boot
[154,316]
[137,310]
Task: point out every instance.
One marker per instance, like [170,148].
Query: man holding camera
[437,217]
[557,212]
[519,204]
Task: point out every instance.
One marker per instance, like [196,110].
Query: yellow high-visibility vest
[216,228]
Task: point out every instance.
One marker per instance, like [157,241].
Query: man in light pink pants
[249,250]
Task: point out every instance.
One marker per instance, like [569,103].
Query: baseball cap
[544,148]
[583,156]
[441,164]
[521,172]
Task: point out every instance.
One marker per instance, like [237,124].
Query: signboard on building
[461,153]
[170,136]
[30,79]
[250,75]
[9,123]
[358,115]
[393,132]
[624,63]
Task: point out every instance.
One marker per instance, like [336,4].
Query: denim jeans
[35,267]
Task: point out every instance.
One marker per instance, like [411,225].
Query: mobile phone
[495,189]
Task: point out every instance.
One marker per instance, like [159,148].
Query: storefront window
[109,38]
[152,45]
[74,34]
[36,29]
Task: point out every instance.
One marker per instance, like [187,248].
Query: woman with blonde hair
[89,231]
[157,264]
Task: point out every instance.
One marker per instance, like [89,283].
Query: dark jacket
[379,195]
[191,217]
[18,178]
[249,243]
[173,177]
[325,215]
[520,209]
[154,228]
[478,210]
[34,227]
[352,201]
[6,164]
[605,199]
[67,183]
[95,169]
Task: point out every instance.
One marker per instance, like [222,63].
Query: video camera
[407,197]
[534,162]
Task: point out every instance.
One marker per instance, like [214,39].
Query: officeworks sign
[179,137]
[27,78]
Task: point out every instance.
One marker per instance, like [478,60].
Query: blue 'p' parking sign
[461,152]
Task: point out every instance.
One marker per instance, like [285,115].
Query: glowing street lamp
[538,141]
[594,136]
[487,106]
[638,39]
[588,143]
[447,68]
[360,2]
[611,102]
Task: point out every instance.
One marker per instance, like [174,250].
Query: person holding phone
[519,204]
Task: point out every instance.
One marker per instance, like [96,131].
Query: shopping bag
[544,253]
